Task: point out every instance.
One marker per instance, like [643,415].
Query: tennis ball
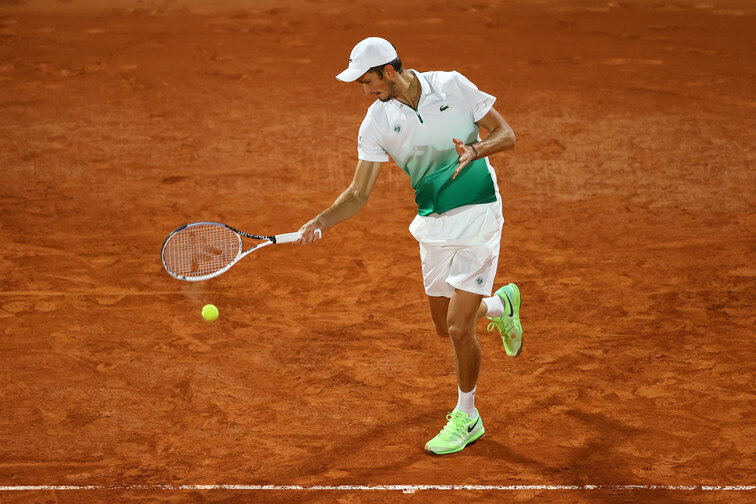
[209,312]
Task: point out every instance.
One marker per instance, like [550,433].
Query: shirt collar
[424,85]
[425,89]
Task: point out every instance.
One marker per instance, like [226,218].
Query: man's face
[382,88]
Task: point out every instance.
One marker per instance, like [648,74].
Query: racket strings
[201,250]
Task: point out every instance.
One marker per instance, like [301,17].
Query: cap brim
[350,74]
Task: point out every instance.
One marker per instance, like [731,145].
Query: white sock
[466,402]
[495,306]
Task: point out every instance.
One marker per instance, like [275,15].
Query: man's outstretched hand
[466,155]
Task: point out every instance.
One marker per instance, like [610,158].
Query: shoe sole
[522,333]
[429,452]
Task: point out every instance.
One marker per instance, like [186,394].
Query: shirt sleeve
[368,147]
[480,103]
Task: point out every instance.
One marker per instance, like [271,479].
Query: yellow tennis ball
[209,312]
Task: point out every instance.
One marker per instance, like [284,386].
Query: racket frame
[268,240]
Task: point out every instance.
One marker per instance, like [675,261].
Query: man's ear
[389,71]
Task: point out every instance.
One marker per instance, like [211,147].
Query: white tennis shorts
[459,249]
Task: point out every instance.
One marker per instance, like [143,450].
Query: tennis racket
[203,250]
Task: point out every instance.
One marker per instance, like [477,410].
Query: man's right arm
[348,203]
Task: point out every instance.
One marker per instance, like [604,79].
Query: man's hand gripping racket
[203,250]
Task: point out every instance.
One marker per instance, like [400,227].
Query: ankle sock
[466,402]
[495,306]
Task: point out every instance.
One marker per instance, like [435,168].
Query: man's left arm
[500,137]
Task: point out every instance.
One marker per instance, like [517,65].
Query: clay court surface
[630,209]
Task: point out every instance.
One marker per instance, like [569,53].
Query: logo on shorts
[443,107]
[397,128]
[479,280]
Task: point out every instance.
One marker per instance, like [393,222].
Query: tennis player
[428,122]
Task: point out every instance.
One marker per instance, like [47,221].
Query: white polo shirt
[420,141]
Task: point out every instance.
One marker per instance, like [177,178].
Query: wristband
[474,150]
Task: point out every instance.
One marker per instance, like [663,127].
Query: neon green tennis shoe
[460,431]
[508,323]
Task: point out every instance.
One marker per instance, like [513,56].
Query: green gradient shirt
[420,141]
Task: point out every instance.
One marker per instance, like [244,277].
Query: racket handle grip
[292,237]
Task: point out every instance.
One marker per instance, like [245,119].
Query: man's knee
[461,331]
[441,329]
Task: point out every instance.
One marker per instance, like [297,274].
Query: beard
[392,92]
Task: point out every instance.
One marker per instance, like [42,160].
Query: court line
[396,488]
[90,293]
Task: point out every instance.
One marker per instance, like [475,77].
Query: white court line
[90,292]
[402,488]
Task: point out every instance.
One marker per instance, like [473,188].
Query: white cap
[373,51]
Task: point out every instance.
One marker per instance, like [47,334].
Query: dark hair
[397,64]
